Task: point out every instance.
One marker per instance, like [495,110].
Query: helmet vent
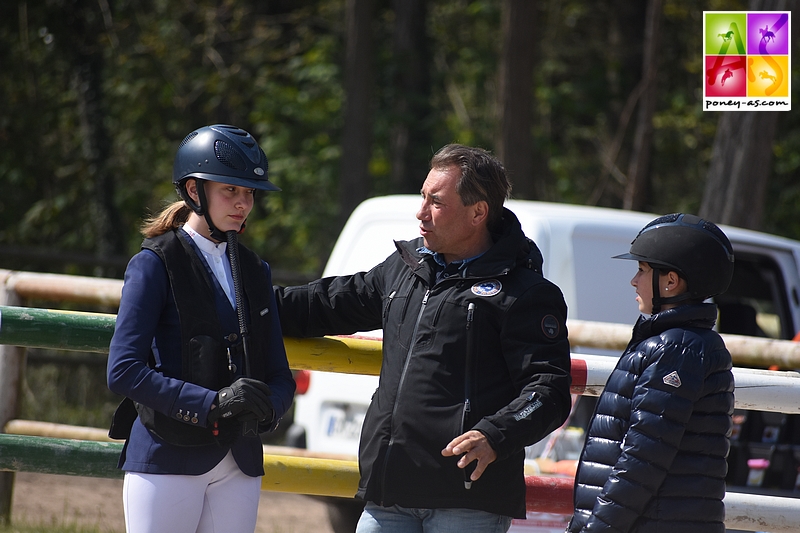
[720,237]
[234,130]
[228,156]
[187,139]
[666,219]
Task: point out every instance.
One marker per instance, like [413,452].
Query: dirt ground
[56,499]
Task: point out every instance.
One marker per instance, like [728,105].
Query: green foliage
[73,394]
[682,131]
[465,48]
[170,67]
[783,196]
[271,72]
[275,68]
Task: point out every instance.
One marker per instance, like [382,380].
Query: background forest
[587,102]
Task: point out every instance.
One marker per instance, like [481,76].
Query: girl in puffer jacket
[655,453]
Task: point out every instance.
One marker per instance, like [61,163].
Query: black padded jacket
[494,331]
[654,457]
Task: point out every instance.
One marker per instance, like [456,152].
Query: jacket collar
[685,316]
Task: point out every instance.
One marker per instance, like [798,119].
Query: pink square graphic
[726,76]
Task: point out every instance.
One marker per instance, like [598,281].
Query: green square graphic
[725,33]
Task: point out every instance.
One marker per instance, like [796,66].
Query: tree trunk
[95,138]
[515,95]
[354,180]
[741,156]
[410,136]
[740,166]
[637,187]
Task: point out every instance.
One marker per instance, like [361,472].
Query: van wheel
[344,513]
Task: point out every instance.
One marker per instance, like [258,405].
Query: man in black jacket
[475,355]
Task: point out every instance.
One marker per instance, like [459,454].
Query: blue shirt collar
[460,263]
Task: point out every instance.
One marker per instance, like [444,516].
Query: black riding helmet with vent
[221,153]
[695,248]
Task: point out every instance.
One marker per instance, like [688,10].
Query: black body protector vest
[210,355]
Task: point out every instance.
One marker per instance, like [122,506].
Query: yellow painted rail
[310,475]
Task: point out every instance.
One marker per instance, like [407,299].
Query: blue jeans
[396,519]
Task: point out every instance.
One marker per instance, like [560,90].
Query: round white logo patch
[490,287]
[258,171]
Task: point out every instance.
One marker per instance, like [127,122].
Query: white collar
[206,245]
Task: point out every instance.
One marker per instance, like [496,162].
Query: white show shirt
[217,259]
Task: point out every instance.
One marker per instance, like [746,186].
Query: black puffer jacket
[654,458]
[519,375]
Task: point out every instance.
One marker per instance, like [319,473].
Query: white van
[577,243]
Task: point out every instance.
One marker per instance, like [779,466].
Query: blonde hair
[171,217]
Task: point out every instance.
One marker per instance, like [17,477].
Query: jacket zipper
[388,304]
[468,386]
[399,390]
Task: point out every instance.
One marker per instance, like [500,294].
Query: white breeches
[223,500]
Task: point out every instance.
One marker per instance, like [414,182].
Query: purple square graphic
[768,33]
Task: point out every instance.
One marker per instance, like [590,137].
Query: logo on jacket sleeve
[550,326]
[673,379]
[530,408]
[489,287]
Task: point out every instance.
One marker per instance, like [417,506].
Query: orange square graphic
[768,76]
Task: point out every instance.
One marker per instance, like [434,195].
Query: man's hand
[472,446]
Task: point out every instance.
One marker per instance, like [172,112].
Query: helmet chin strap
[658,300]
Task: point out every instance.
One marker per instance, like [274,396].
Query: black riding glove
[245,398]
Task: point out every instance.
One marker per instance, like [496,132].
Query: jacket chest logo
[672,379]
[489,287]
